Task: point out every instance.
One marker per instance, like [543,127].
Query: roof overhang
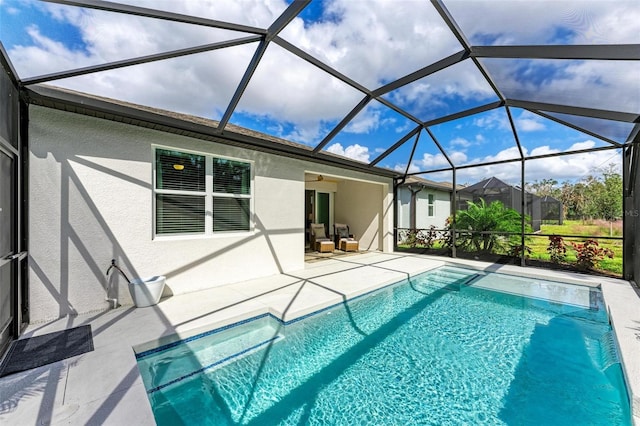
[189,126]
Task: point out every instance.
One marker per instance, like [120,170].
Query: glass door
[324,210]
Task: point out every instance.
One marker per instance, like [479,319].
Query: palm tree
[485,223]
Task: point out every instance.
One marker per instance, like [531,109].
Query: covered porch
[359,204]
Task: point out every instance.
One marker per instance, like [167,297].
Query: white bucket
[147,291]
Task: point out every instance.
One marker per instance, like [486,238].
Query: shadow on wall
[88,243]
[360,205]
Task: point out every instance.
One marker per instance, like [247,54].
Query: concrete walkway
[104,386]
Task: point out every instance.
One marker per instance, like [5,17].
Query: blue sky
[372,43]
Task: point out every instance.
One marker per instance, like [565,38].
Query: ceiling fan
[320,178]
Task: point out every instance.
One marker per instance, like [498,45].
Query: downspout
[396,183]
[412,210]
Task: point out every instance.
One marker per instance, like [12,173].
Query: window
[430,203]
[201,194]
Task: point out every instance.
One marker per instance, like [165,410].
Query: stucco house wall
[442,208]
[404,207]
[90,201]
[357,204]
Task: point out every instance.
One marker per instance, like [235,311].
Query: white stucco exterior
[441,208]
[90,201]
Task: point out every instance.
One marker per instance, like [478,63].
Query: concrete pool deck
[104,386]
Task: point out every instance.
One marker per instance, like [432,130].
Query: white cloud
[355,152]
[545,149]
[582,145]
[443,90]
[495,120]
[373,42]
[561,168]
[46,54]
[435,161]
[537,22]
[529,122]
[460,142]
[365,122]
[10,10]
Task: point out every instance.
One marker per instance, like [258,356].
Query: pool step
[447,279]
[163,368]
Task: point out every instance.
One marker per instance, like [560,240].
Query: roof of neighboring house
[443,186]
[496,185]
[550,199]
[492,183]
[488,184]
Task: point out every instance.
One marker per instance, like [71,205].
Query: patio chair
[319,240]
[344,239]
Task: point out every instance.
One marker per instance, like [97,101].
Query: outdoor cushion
[343,232]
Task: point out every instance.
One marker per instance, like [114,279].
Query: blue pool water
[440,349]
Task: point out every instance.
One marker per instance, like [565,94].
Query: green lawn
[597,228]
[539,246]
[578,230]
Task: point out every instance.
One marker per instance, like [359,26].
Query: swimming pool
[451,346]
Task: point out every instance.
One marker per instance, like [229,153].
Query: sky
[372,43]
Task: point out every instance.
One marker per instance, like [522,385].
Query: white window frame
[431,205]
[209,194]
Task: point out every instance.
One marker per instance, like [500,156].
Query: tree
[595,196]
[610,199]
[574,199]
[544,187]
[486,222]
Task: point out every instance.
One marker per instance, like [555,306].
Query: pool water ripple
[430,352]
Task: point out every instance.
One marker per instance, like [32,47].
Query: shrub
[516,249]
[557,249]
[482,227]
[418,237]
[589,253]
[410,238]
[447,241]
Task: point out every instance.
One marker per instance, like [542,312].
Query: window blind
[179,214]
[225,195]
[230,214]
[180,171]
[231,177]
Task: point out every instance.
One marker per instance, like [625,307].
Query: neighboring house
[163,194]
[423,203]
[552,210]
[493,189]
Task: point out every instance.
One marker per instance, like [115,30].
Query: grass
[598,228]
[539,246]
[578,230]
[594,228]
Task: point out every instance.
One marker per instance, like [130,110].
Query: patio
[104,386]
[180,139]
